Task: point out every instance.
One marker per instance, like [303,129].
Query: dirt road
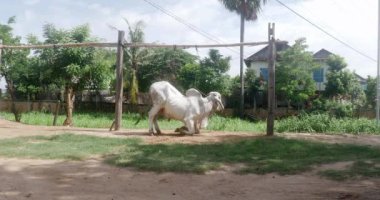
[92,179]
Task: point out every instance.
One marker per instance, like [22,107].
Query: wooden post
[1,50]
[271,80]
[56,112]
[119,81]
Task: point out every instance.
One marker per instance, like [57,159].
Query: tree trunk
[242,18]
[11,91]
[69,95]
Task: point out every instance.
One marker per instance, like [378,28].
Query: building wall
[257,66]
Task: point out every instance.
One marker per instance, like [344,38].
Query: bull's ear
[193,92]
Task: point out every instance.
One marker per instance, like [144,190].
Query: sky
[352,21]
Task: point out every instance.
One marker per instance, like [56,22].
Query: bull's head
[216,98]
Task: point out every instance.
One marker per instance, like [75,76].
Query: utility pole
[378,68]
[271,79]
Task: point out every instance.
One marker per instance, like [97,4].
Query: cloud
[31,2]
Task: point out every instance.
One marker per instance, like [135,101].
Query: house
[259,62]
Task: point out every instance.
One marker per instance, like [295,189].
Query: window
[264,73]
[318,75]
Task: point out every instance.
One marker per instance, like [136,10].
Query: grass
[260,155]
[323,123]
[358,169]
[64,146]
[104,120]
[307,123]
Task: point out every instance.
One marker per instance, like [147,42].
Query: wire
[327,33]
[189,25]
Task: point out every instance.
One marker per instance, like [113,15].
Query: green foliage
[134,90]
[293,73]
[163,64]
[339,84]
[209,75]
[14,62]
[252,7]
[324,123]
[342,84]
[333,108]
[311,123]
[371,92]
[134,58]
[336,63]
[73,67]
[253,85]
[233,99]
[104,120]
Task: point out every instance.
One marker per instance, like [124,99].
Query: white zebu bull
[193,110]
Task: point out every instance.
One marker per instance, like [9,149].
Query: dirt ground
[92,179]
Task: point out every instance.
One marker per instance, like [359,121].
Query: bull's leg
[204,122]
[190,123]
[197,126]
[156,125]
[152,115]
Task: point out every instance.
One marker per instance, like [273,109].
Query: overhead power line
[189,25]
[327,33]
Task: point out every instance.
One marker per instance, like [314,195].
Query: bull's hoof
[181,129]
[159,132]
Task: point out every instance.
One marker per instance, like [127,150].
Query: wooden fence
[122,44]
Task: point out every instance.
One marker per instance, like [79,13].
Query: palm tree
[247,9]
[134,57]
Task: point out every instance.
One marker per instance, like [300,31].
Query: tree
[134,57]
[209,75]
[293,74]
[163,64]
[371,91]
[336,63]
[247,9]
[253,85]
[342,84]
[73,69]
[13,63]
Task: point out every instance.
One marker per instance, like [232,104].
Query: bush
[333,108]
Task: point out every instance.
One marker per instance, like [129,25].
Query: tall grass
[104,120]
[307,123]
[324,123]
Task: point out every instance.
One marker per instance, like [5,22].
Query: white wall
[2,84]
[257,65]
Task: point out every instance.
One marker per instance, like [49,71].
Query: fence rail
[126,44]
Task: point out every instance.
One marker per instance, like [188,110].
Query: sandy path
[92,179]
[39,179]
